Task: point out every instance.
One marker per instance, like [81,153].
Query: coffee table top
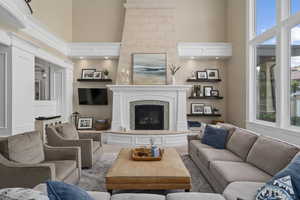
[170,169]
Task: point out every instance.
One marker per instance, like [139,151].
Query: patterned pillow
[279,189]
[21,194]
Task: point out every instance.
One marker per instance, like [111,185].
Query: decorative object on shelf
[207,91]
[149,69]
[193,77]
[197,92]
[197,108]
[201,75]
[29,6]
[216,111]
[106,73]
[88,73]
[75,117]
[214,93]
[102,124]
[208,110]
[212,74]
[85,123]
[145,154]
[97,75]
[173,68]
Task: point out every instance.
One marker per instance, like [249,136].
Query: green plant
[295,86]
[106,72]
[173,68]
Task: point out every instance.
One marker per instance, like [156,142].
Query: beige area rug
[94,179]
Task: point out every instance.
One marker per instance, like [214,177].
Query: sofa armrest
[24,175]
[193,137]
[63,153]
[90,135]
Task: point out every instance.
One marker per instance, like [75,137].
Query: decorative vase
[173,80]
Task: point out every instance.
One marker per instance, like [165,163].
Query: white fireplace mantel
[175,95]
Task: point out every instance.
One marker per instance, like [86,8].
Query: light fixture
[192,57]
[81,58]
[217,58]
[106,58]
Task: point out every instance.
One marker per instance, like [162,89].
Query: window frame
[281,31]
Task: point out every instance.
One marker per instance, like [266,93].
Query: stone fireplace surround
[125,95]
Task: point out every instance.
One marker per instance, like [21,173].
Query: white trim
[5,93]
[150,4]
[94,50]
[4,38]
[204,50]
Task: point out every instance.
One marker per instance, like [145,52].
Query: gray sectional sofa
[247,163]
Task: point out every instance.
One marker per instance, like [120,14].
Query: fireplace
[149,115]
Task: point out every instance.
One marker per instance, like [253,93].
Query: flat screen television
[92,96]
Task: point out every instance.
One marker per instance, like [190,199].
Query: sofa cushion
[271,155]
[231,128]
[127,196]
[194,196]
[67,131]
[241,142]
[195,145]
[227,172]
[63,168]
[99,195]
[26,148]
[96,146]
[215,137]
[242,190]
[209,155]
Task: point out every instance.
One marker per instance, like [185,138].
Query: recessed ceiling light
[192,57]
[106,58]
[217,58]
[81,57]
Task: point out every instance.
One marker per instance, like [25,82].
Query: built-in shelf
[204,80]
[216,98]
[204,115]
[94,80]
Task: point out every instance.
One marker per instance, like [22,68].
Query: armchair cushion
[63,168]
[67,131]
[26,148]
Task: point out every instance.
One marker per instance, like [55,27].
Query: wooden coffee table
[168,174]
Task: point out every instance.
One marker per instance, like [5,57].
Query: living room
[149,99]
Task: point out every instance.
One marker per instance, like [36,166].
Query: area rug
[94,179]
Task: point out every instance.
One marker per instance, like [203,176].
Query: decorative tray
[144,154]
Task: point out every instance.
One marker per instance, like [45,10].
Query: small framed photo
[208,110]
[212,74]
[88,73]
[201,75]
[214,93]
[97,75]
[207,91]
[85,123]
[197,108]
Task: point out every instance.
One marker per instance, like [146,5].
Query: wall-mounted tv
[92,96]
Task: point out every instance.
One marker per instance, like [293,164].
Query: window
[294,6]
[265,81]
[42,80]
[273,65]
[265,15]
[295,76]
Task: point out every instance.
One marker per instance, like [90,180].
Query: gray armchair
[66,135]
[26,162]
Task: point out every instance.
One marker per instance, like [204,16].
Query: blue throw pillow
[63,191]
[215,137]
[279,189]
[293,170]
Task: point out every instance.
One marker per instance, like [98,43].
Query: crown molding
[150,4]
[204,50]
[94,50]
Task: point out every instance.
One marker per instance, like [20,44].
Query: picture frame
[87,73]
[214,93]
[98,75]
[207,91]
[149,68]
[212,74]
[197,108]
[202,75]
[85,123]
[208,110]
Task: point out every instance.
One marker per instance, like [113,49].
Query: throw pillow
[281,188]
[21,194]
[293,170]
[215,137]
[62,191]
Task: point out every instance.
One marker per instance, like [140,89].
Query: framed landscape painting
[149,68]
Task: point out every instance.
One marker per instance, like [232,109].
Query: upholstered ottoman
[194,196]
[128,196]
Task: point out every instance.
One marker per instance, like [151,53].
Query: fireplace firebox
[149,117]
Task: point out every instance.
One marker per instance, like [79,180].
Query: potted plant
[173,68]
[106,72]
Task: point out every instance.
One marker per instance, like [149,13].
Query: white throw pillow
[21,194]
